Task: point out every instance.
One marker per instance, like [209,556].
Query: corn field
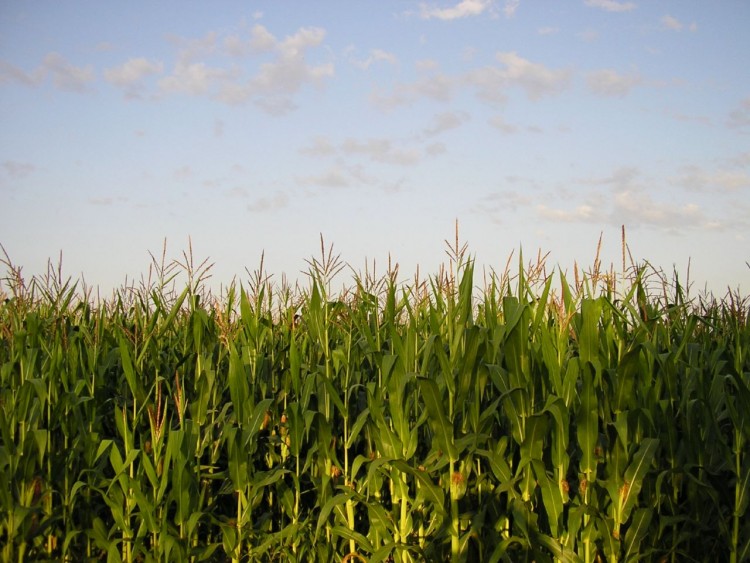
[463,417]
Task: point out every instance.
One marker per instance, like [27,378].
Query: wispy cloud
[727,180]
[435,86]
[510,8]
[271,86]
[611,5]
[374,56]
[130,75]
[197,79]
[608,82]
[499,123]
[674,24]
[739,117]
[10,74]
[463,9]
[65,76]
[535,79]
[218,129]
[271,203]
[18,170]
[381,150]
[335,177]
[501,204]
[435,149]
[490,83]
[631,201]
[377,149]
[446,121]
[320,146]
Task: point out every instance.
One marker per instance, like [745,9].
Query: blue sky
[253,127]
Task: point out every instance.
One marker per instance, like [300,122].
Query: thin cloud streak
[463,9]
[611,5]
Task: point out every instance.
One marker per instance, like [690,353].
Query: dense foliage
[603,419]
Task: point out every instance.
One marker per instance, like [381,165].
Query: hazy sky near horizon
[257,126]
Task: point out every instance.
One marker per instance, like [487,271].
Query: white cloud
[10,73]
[191,49]
[437,87]
[630,201]
[501,204]
[446,121]
[376,149]
[320,146]
[435,149]
[381,150]
[183,172]
[634,207]
[463,9]
[534,78]
[694,178]
[218,128]
[65,76]
[130,75]
[262,40]
[272,105]
[583,212]
[741,160]
[426,65]
[374,56]
[548,30]
[264,204]
[18,170]
[611,5]
[674,24]
[490,83]
[287,74]
[271,87]
[510,8]
[335,177]
[499,123]
[622,178]
[193,78]
[589,35]
[608,82]
[740,117]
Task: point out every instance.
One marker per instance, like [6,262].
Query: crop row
[541,420]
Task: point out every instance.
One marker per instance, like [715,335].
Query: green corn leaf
[533,444]
[588,343]
[388,442]
[738,405]
[587,423]
[561,432]
[743,487]
[295,424]
[635,473]
[258,416]
[127,367]
[636,532]
[238,385]
[356,428]
[551,497]
[330,505]
[441,426]
[427,489]
[627,371]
